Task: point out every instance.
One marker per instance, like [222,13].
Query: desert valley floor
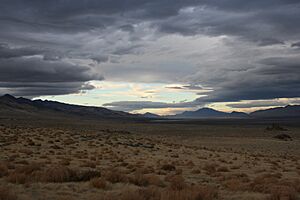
[125,160]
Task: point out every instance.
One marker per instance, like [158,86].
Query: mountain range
[289,111]
[209,113]
[9,105]
[12,106]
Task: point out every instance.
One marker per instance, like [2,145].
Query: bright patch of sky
[106,92]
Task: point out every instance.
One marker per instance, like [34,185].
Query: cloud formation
[239,50]
[138,105]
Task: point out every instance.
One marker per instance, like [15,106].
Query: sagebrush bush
[99,183]
[3,170]
[283,193]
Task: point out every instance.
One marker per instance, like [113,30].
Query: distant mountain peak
[8,96]
[150,115]
[206,112]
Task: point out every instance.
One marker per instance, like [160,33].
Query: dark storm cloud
[35,76]
[265,22]
[138,105]
[269,41]
[35,69]
[8,52]
[296,44]
[186,87]
[257,104]
[279,77]
[40,41]
[47,89]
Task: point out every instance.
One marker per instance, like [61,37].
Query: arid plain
[142,160]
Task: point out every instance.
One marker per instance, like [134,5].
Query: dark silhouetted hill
[10,105]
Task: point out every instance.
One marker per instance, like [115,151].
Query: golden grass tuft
[115,176]
[58,174]
[99,183]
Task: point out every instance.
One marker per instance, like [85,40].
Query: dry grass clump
[177,183]
[154,193]
[155,180]
[168,167]
[24,174]
[3,170]
[223,169]
[87,175]
[139,179]
[237,182]
[65,162]
[17,178]
[236,185]
[210,168]
[283,193]
[7,194]
[89,164]
[58,174]
[190,193]
[29,169]
[264,183]
[36,172]
[99,183]
[115,176]
[141,194]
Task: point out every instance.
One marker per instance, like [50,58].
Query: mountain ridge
[22,105]
[11,105]
[210,113]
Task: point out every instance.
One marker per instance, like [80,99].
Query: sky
[160,56]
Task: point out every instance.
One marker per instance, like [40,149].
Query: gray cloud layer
[56,47]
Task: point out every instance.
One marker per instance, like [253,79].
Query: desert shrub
[131,195]
[210,168]
[26,151]
[190,193]
[177,182]
[87,175]
[236,184]
[29,169]
[284,137]
[115,176]
[17,178]
[196,171]
[264,183]
[155,180]
[168,167]
[150,193]
[139,179]
[223,169]
[65,162]
[98,183]
[58,174]
[7,194]
[3,170]
[275,127]
[89,164]
[200,192]
[24,174]
[283,192]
